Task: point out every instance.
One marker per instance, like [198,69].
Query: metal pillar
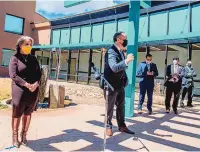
[58,55]
[101,61]
[41,57]
[166,56]
[147,49]
[50,62]
[77,67]
[189,30]
[133,28]
[189,51]
[68,64]
[89,66]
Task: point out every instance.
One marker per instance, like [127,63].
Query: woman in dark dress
[24,70]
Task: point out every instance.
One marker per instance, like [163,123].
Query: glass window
[45,60]
[14,24]
[6,55]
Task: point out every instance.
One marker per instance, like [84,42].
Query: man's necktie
[175,68]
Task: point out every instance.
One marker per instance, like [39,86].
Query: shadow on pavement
[144,130]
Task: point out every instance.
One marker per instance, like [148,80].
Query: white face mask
[148,62]
[175,62]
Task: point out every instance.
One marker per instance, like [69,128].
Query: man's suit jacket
[114,68]
[143,69]
[188,75]
[170,72]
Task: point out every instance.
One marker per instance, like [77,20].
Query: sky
[55,9]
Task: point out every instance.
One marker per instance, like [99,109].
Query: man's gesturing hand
[129,58]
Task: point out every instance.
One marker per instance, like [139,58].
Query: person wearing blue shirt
[147,71]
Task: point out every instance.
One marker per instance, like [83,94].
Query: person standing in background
[188,83]
[147,71]
[173,84]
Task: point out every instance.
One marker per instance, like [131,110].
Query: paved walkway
[80,128]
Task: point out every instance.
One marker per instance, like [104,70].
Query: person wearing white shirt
[173,84]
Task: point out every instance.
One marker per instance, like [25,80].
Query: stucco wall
[23,9]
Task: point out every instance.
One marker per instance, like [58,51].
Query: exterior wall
[23,9]
[83,63]
[39,18]
[158,58]
[8,40]
[41,33]
[4,72]
[178,27]
[195,61]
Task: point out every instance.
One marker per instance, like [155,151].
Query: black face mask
[125,43]
[189,65]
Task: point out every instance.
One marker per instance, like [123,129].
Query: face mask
[175,62]
[148,62]
[125,43]
[26,49]
[189,65]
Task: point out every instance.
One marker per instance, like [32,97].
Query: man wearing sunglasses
[147,71]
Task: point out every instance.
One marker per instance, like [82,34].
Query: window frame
[2,56]
[22,33]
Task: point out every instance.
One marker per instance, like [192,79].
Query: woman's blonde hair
[21,40]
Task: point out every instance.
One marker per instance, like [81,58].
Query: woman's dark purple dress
[24,69]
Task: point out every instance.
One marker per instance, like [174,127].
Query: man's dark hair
[148,55]
[117,35]
[176,58]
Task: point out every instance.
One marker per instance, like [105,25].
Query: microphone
[97,74]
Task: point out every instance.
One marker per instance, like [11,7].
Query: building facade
[165,30]
[17,18]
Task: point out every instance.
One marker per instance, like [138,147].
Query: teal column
[133,30]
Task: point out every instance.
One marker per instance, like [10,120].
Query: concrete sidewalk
[80,128]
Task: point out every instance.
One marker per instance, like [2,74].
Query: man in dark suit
[114,72]
[188,83]
[173,84]
[147,71]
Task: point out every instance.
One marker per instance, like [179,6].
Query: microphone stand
[107,86]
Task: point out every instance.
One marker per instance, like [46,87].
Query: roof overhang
[41,25]
[81,46]
[145,3]
[99,45]
[68,3]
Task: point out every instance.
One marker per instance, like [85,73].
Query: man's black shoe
[167,110]
[126,130]
[182,105]
[190,105]
[175,112]
[150,112]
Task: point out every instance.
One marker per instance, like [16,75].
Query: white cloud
[57,6]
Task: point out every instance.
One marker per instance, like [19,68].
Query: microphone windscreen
[97,75]
[92,64]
